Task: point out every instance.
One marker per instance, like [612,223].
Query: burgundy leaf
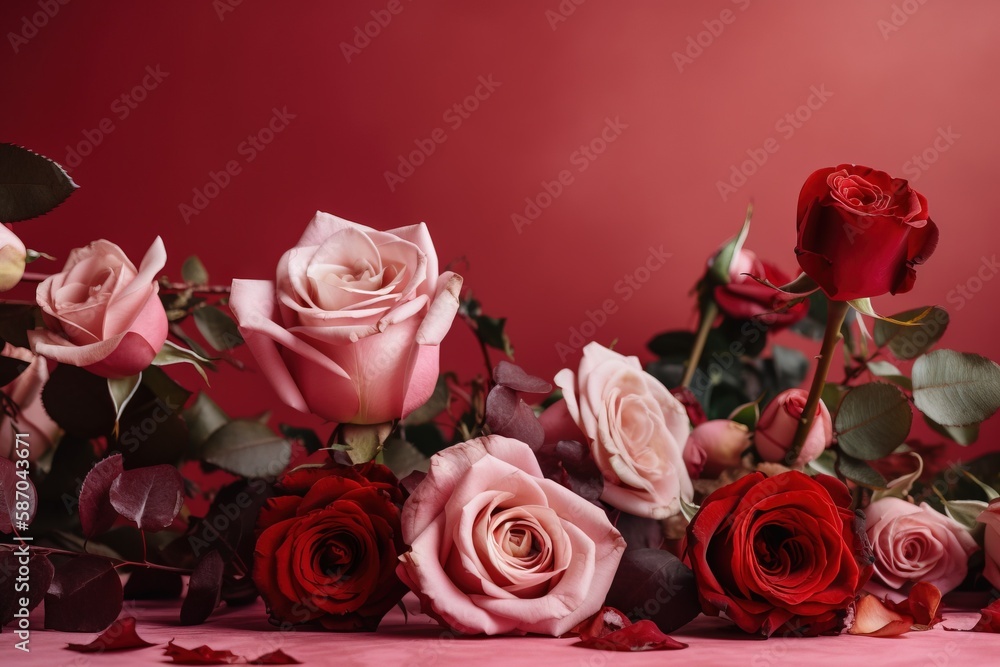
[39,577]
[120,636]
[654,584]
[601,624]
[153,584]
[151,496]
[11,494]
[513,376]
[201,655]
[641,636]
[571,464]
[508,415]
[278,657]
[204,589]
[85,595]
[96,513]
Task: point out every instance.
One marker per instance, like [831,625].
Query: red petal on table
[601,624]
[922,604]
[202,655]
[275,658]
[120,636]
[641,636]
[989,619]
[874,619]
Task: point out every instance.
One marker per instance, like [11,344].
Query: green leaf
[872,421]
[832,395]
[909,342]
[963,435]
[966,512]
[860,472]
[402,458]
[991,493]
[864,306]
[247,448]
[956,388]
[364,441]
[171,353]
[30,184]
[688,509]
[193,271]
[718,272]
[434,406]
[218,328]
[122,390]
[204,418]
[747,414]
[887,371]
[163,387]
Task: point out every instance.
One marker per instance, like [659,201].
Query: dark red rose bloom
[744,298]
[695,413]
[328,546]
[862,232]
[781,553]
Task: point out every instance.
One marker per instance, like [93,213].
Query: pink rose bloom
[12,258]
[102,314]
[991,542]
[722,442]
[778,423]
[351,328]
[635,428]
[914,544]
[496,548]
[25,390]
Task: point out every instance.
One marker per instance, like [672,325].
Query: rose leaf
[873,419]
[247,448]
[30,184]
[956,388]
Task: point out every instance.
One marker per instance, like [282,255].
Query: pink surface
[399,643]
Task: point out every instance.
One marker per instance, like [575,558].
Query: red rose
[779,553]
[862,232]
[327,550]
[744,298]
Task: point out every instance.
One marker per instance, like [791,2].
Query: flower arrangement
[506,503]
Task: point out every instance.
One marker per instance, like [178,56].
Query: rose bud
[777,425]
[744,298]
[12,258]
[723,443]
[861,232]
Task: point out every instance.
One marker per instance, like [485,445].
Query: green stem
[836,313]
[708,315]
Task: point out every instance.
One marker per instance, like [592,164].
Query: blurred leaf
[402,458]
[966,512]
[672,344]
[204,418]
[193,271]
[218,328]
[16,320]
[648,576]
[306,436]
[746,414]
[153,584]
[247,448]
[164,387]
[10,369]
[427,438]
[790,366]
[204,591]
[718,270]
[956,388]
[85,595]
[872,421]
[887,371]
[909,342]
[963,435]
[860,472]
[30,184]
[832,395]
[489,330]
[991,493]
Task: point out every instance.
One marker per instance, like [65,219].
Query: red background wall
[894,76]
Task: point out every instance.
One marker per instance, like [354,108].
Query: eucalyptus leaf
[956,388]
[204,418]
[873,419]
[860,472]
[218,328]
[247,448]
[887,371]
[30,184]
[193,271]
[966,512]
[909,342]
[963,435]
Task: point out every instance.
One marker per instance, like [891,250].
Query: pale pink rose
[102,314]
[778,423]
[496,548]
[915,543]
[351,329]
[991,542]
[25,391]
[635,428]
[12,258]
[723,443]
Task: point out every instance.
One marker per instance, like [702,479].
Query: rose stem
[836,312]
[708,314]
[118,561]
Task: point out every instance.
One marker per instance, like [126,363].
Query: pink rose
[778,423]
[496,548]
[350,331]
[635,428]
[722,442]
[914,544]
[25,391]
[12,258]
[991,542]
[103,314]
